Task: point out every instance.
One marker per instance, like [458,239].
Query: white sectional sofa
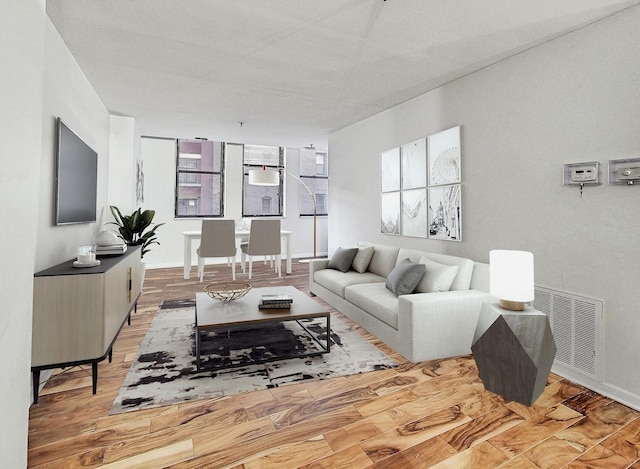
[420,326]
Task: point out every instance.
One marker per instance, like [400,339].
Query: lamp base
[514,352]
[511,305]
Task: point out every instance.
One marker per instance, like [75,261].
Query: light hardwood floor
[431,414]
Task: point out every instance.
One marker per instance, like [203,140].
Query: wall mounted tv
[77,178]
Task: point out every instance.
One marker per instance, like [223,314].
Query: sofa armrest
[445,320]
[314,266]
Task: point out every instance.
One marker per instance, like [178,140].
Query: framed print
[390,213]
[444,157]
[445,217]
[390,170]
[414,164]
[414,213]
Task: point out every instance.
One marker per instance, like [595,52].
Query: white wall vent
[576,323]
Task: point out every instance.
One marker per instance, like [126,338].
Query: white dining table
[189,236]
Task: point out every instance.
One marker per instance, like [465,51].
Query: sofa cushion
[465,266]
[383,260]
[337,281]
[375,299]
[342,259]
[437,277]
[404,278]
[362,259]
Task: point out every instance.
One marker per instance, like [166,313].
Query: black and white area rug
[164,371]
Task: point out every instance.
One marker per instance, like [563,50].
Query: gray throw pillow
[362,259]
[342,259]
[404,277]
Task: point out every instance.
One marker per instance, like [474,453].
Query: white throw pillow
[362,259]
[437,277]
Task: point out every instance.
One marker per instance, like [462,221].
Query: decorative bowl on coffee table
[227,291]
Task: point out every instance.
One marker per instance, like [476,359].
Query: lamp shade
[264,177]
[511,277]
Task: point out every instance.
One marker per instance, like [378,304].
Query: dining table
[190,236]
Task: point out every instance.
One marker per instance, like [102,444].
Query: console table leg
[94,375]
[35,376]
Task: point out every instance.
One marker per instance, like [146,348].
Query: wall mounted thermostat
[624,171]
[582,173]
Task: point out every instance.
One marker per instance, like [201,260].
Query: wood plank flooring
[431,414]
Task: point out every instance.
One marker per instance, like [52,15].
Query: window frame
[305,178]
[187,173]
[280,168]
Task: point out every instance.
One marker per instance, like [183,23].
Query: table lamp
[263,177]
[513,345]
[511,278]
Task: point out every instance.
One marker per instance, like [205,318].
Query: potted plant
[136,229]
[132,228]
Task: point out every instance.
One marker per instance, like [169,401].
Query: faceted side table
[514,352]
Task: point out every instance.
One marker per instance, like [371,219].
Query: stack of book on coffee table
[275,302]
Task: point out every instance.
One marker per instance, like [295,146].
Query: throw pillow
[362,259]
[437,277]
[342,259]
[404,277]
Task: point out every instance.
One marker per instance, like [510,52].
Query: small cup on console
[86,254]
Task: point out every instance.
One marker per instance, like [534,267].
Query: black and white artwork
[414,213]
[390,170]
[445,217]
[414,164]
[444,157]
[390,213]
[139,183]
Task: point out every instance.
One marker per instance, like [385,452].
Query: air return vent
[576,323]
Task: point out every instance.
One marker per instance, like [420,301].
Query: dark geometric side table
[514,352]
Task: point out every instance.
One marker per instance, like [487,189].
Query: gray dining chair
[218,239]
[264,240]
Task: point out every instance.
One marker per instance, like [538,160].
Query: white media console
[78,312]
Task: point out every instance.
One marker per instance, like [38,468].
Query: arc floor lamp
[271,177]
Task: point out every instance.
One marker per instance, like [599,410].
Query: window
[314,173]
[266,205]
[258,201]
[321,202]
[199,179]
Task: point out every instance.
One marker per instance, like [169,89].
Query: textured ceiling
[307,66]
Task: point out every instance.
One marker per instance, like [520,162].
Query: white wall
[159,156]
[570,100]
[124,150]
[69,95]
[21,53]
[40,81]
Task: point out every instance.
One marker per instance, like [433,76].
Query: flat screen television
[76,178]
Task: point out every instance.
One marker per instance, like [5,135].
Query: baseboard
[608,390]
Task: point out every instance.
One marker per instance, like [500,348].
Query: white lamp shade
[511,275]
[264,177]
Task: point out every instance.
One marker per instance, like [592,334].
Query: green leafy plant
[132,227]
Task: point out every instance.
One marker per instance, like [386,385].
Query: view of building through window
[199,178]
[260,201]
[314,172]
